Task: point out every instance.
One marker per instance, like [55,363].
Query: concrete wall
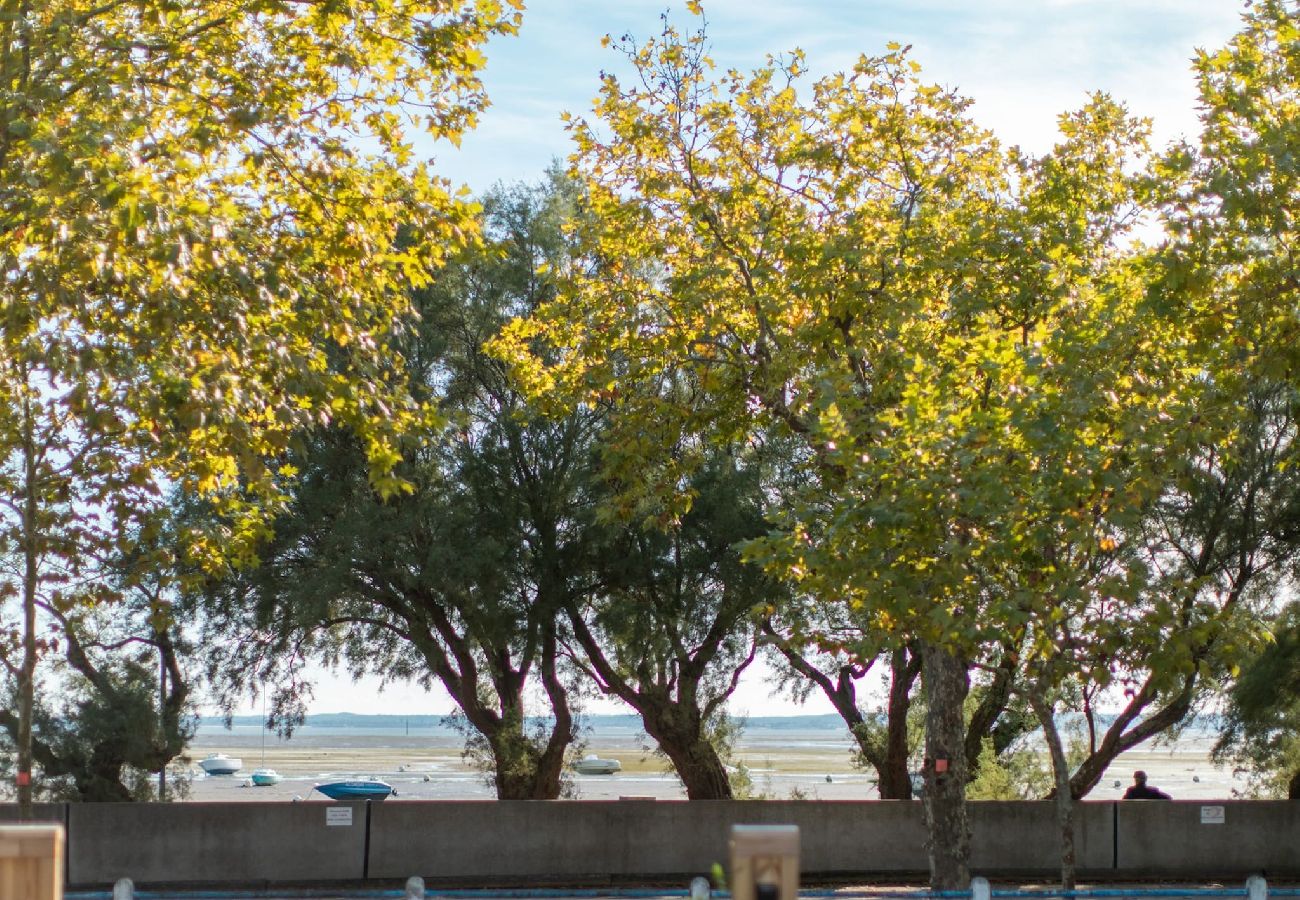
[1023,838]
[510,841]
[485,842]
[41,812]
[1218,837]
[199,843]
[446,841]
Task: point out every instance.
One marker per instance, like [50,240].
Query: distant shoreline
[615,721]
[1200,727]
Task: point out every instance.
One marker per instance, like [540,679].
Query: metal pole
[162,721]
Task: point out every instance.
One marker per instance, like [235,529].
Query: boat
[594,765]
[220,764]
[262,776]
[266,777]
[356,790]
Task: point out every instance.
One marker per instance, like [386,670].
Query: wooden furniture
[31,861]
[765,862]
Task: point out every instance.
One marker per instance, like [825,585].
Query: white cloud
[1023,62]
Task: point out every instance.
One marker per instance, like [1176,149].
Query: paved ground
[1150,890]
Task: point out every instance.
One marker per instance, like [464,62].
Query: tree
[107,741]
[672,626]
[836,655]
[1259,729]
[465,579]
[437,587]
[1202,566]
[191,198]
[957,335]
[1234,216]
[1235,223]
[121,710]
[883,742]
[1181,590]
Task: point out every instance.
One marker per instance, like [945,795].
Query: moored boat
[266,777]
[220,764]
[594,765]
[356,790]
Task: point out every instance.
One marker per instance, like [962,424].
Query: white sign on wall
[1213,815]
[342,815]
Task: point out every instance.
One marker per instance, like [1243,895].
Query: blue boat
[356,790]
[266,777]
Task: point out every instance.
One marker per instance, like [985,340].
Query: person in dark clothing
[1141,791]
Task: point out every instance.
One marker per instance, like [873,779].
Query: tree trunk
[31,576]
[1064,798]
[162,723]
[1126,731]
[948,827]
[680,735]
[519,769]
[522,772]
[520,777]
[677,726]
[700,770]
[550,762]
[895,782]
[990,719]
[890,759]
[103,775]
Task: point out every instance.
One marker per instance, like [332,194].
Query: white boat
[594,765]
[262,776]
[220,764]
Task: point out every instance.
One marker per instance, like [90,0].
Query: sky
[1023,62]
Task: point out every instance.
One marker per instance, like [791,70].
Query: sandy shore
[430,767]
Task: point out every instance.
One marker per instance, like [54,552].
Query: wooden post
[764,862]
[31,861]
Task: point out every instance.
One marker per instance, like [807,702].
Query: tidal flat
[781,763]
